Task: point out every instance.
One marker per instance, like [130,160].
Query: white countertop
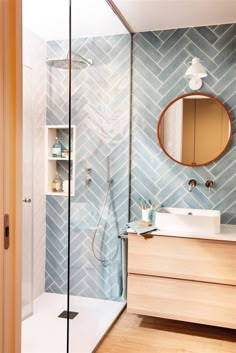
[227,233]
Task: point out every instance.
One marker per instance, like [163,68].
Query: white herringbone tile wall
[160,61]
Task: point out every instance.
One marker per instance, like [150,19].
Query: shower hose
[104,261]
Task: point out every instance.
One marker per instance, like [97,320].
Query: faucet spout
[192,184]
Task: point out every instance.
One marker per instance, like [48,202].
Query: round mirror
[194,129]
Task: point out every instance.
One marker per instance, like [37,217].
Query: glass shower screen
[77,55]
[100,119]
[45,243]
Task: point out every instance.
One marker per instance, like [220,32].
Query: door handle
[6,232]
[26,200]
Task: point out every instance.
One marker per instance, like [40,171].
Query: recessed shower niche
[59,164]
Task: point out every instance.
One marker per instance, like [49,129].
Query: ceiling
[146,15]
[49,18]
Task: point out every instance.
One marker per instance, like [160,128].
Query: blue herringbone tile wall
[100,112]
[160,61]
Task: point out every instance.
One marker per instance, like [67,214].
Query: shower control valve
[88,170]
[110,180]
[88,180]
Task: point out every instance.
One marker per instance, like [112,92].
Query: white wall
[34,56]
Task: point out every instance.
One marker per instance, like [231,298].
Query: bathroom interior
[103,92]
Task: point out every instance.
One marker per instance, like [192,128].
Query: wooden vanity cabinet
[185,279]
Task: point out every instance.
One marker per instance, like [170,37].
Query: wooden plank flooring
[142,334]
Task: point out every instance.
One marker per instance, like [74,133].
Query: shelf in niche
[59,159]
[53,162]
[57,193]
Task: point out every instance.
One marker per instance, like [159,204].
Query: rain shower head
[77,62]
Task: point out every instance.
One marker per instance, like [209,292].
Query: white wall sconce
[195,73]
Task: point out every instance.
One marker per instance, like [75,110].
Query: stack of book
[141,227]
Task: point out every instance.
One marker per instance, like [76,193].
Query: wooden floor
[142,334]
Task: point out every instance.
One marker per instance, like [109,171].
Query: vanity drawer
[175,257]
[177,299]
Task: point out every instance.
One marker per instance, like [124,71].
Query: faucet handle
[192,182]
[209,184]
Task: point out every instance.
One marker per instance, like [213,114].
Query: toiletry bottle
[56,148]
[56,183]
[61,182]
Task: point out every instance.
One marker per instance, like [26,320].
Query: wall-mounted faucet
[88,170]
[209,184]
[192,184]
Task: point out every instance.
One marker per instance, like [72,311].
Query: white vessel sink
[188,221]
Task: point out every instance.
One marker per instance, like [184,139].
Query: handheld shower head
[109,179]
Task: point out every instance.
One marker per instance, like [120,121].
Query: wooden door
[208,130]
[10,173]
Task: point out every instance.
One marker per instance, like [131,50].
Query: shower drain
[68,314]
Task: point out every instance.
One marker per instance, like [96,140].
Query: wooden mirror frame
[187,95]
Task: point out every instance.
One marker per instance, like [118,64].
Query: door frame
[11,121]
[1,176]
